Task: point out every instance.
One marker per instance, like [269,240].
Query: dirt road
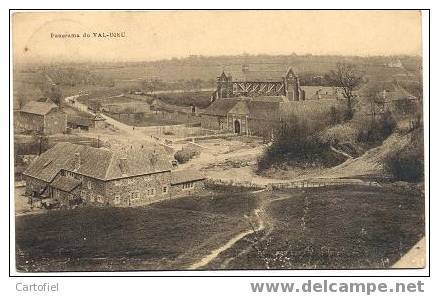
[260,221]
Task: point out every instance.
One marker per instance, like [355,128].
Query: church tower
[224,86]
[292,86]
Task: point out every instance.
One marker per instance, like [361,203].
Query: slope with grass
[167,235]
[337,227]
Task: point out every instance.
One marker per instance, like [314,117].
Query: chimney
[77,161]
[123,165]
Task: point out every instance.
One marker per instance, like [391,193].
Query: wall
[178,190]
[178,117]
[65,198]
[137,190]
[213,122]
[55,122]
[33,185]
[242,122]
[92,190]
[28,121]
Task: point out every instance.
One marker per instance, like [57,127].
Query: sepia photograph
[203,140]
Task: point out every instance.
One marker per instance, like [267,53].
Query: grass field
[331,228]
[166,235]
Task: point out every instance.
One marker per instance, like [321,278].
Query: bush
[377,130]
[185,154]
[296,143]
[340,133]
[408,163]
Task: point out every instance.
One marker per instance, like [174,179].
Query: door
[237,127]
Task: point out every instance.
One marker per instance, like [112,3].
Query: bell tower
[224,87]
[292,86]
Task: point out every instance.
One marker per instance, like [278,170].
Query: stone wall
[65,198]
[179,190]
[140,190]
[33,185]
[28,121]
[213,122]
[55,123]
[91,190]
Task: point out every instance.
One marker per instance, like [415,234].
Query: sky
[154,35]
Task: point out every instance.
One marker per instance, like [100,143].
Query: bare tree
[347,77]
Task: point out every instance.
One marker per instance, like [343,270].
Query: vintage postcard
[218,140]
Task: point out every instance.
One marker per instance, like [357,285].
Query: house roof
[64,183]
[220,107]
[79,120]
[185,176]
[98,117]
[98,163]
[39,108]
[240,108]
[318,92]
[45,100]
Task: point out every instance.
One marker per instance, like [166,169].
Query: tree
[347,77]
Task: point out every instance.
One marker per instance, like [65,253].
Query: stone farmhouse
[70,173]
[40,116]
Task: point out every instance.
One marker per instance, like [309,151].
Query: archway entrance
[237,127]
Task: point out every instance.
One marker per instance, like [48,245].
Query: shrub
[340,133]
[377,130]
[297,144]
[185,154]
[408,163]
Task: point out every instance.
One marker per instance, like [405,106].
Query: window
[117,199]
[135,195]
[165,189]
[88,184]
[117,182]
[150,191]
[188,185]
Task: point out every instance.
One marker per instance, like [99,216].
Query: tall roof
[220,107]
[45,100]
[97,163]
[65,183]
[39,108]
[184,176]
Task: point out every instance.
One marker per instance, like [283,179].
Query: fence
[315,183]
